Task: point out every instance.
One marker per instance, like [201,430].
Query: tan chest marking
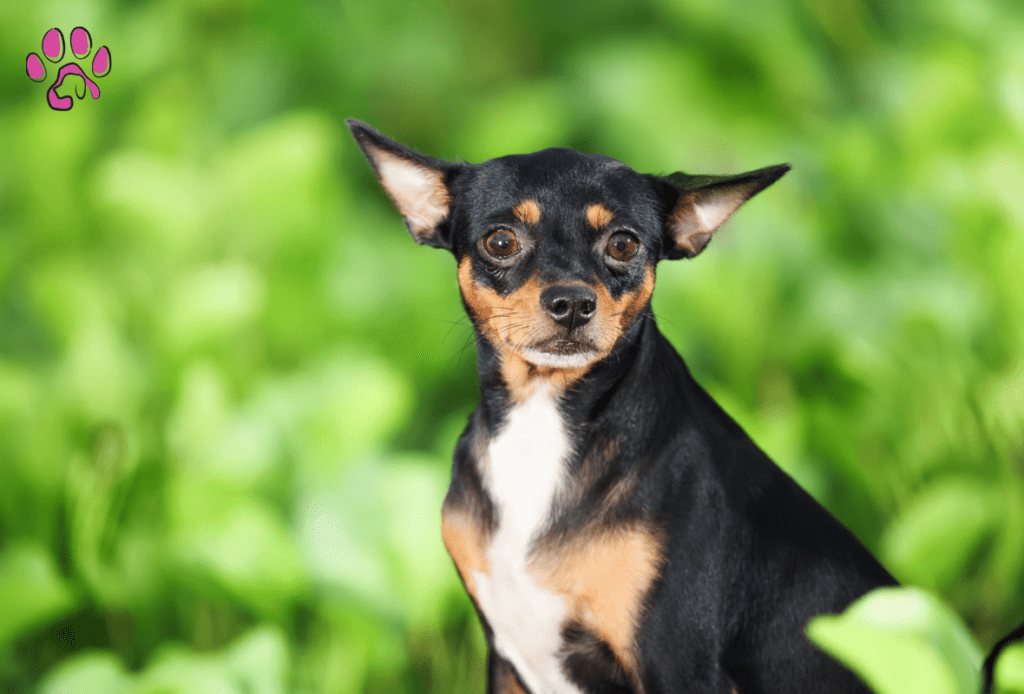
[604,580]
[466,542]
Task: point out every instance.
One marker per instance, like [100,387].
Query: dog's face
[556,250]
[556,254]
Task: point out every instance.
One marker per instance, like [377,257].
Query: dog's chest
[524,469]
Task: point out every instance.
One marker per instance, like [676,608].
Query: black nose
[571,307]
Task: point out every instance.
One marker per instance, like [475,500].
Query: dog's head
[556,250]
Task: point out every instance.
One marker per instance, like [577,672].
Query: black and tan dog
[616,530]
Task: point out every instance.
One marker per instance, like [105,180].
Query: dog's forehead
[559,176]
[556,161]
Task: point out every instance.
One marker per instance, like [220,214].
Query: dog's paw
[53,51]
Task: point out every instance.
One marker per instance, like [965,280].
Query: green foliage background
[230,382]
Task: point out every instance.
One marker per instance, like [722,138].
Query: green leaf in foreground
[1009,675]
[902,641]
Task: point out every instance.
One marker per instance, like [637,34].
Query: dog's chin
[554,360]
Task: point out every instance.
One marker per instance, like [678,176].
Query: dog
[615,529]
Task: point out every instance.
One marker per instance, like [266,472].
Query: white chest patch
[525,468]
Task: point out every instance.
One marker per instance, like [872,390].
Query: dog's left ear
[700,205]
[416,183]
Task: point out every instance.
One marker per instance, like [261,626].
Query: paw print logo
[53,50]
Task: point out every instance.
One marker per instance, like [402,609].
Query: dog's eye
[622,246]
[501,244]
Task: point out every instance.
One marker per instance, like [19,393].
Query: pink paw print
[53,49]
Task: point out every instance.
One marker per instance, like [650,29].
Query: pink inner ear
[419,193]
[697,217]
[714,212]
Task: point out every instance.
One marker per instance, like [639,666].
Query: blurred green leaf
[261,661]
[354,402]
[88,673]
[376,534]
[939,532]
[902,640]
[256,663]
[212,303]
[275,180]
[245,549]
[175,671]
[32,592]
[1009,672]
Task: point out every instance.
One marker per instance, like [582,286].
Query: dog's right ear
[416,183]
[700,205]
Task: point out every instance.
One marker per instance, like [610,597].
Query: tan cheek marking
[527,211]
[512,318]
[598,216]
[606,330]
[483,302]
[604,580]
[465,541]
[631,304]
[521,323]
[614,316]
[509,321]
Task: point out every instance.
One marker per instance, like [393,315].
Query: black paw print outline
[53,50]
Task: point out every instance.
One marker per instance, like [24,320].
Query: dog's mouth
[560,353]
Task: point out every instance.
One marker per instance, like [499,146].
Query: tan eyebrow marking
[527,211]
[598,215]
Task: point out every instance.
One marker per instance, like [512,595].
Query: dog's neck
[618,419]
